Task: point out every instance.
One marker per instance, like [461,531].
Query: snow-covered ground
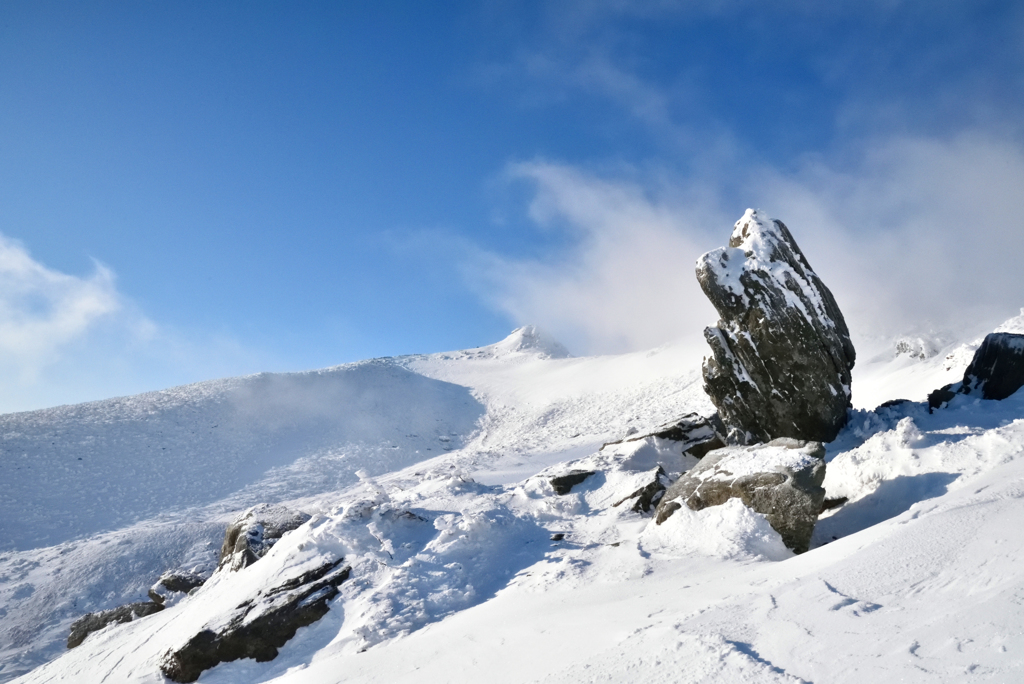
[429,476]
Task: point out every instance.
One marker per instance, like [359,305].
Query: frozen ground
[429,475]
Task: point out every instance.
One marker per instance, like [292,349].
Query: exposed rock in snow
[782,353]
[996,372]
[174,583]
[648,496]
[254,532]
[93,622]
[695,434]
[563,484]
[781,480]
[259,627]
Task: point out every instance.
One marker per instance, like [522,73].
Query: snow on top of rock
[1013,325]
[529,339]
[762,247]
[741,461]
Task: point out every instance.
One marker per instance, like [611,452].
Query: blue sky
[197,190]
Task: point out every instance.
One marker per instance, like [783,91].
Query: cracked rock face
[780,480]
[781,353]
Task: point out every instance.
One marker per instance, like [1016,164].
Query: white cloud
[42,310]
[909,233]
[627,283]
[68,339]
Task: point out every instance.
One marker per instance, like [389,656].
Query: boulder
[254,532]
[259,627]
[996,371]
[93,622]
[781,353]
[781,480]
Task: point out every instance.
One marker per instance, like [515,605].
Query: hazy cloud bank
[911,234]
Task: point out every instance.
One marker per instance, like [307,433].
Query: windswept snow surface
[467,566]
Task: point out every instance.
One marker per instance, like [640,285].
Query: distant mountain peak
[531,340]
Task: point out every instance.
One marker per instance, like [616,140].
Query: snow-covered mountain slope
[432,482]
[161,474]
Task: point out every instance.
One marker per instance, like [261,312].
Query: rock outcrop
[260,626]
[996,371]
[254,532]
[781,480]
[781,353]
[93,622]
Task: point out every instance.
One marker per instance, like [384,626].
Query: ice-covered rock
[781,480]
[254,532]
[996,371]
[781,353]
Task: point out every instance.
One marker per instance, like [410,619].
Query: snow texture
[431,480]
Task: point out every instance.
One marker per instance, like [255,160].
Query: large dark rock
[259,627]
[781,353]
[254,532]
[781,480]
[93,622]
[996,371]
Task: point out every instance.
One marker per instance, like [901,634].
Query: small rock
[174,582]
[563,484]
[781,480]
[647,497]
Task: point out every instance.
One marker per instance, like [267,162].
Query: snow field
[456,576]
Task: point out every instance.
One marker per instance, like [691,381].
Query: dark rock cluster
[781,353]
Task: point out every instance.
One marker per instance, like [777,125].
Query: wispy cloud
[626,283]
[66,338]
[43,310]
[910,234]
